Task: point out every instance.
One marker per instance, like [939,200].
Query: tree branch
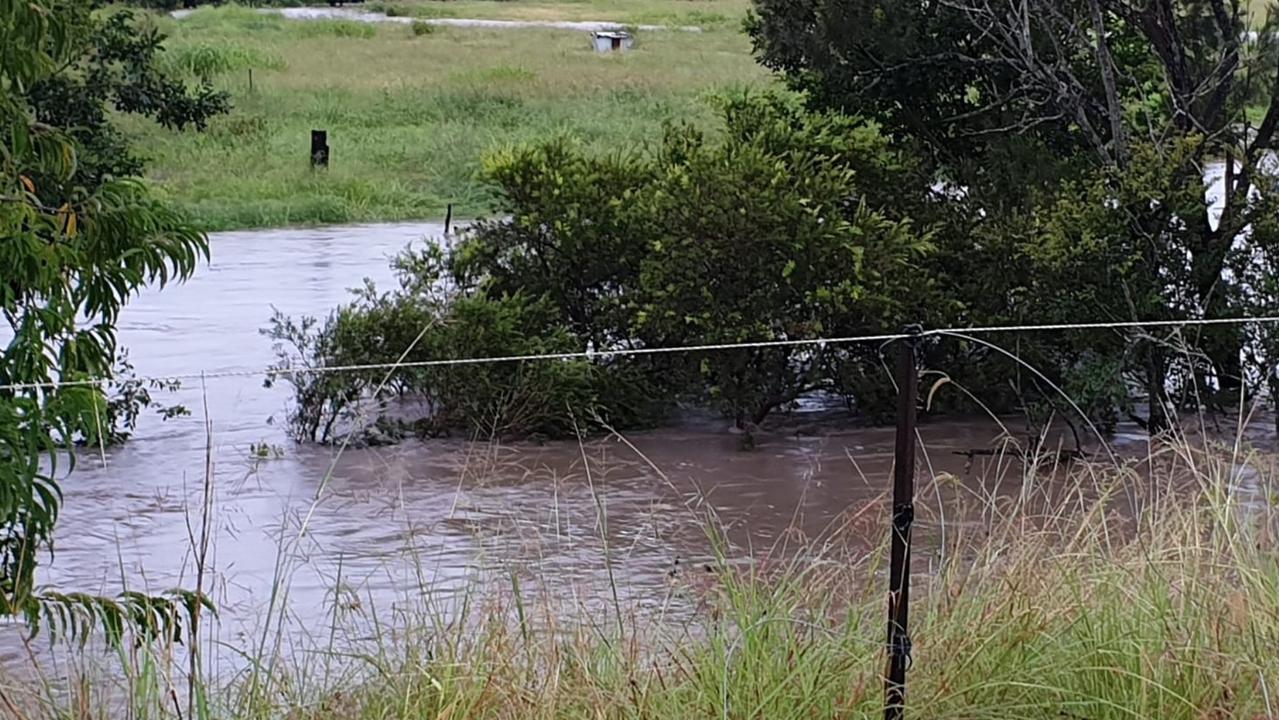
[1113,108]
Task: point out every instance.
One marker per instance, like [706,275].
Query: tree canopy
[1080,133]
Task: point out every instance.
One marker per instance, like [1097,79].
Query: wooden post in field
[903,515]
[448,219]
[319,148]
[250,81]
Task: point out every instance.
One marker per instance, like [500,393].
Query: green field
[411,115]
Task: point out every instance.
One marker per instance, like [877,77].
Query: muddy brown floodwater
[424,518]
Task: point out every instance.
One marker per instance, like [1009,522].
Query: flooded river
[390,525]
[391,521]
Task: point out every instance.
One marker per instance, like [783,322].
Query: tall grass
[207,60]
[335,28]
[1144,590]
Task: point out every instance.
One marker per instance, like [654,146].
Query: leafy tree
[573,229]
[1086,259]
[1020,108]
[113,65]
[568,232]
[75,246]
[496,400]
[767,233]
[1254,270]
[109,64]
[769,236]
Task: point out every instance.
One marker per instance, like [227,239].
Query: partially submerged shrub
[421,323]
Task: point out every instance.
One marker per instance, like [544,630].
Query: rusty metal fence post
[903,516]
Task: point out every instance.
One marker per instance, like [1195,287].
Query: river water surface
[423,518]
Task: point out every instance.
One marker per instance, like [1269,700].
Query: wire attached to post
[898,643]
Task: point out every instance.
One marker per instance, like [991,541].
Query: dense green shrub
[760,235]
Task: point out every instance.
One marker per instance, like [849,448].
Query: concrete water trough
[609,41]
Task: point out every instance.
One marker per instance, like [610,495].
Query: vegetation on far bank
[409,113]
[409,116]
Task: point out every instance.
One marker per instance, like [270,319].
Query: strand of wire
[631,352]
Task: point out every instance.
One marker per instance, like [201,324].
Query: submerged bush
[420,323]
[760,235]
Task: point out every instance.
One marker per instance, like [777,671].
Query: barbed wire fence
[594,354]
[905,377]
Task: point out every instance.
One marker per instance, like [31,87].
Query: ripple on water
[423,519]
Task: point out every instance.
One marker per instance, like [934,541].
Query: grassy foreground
[1050,602]
[410,115]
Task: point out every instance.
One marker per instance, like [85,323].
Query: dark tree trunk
[1221,344]
[1274,394]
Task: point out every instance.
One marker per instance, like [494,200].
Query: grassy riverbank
[1048,602]
[410,115]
